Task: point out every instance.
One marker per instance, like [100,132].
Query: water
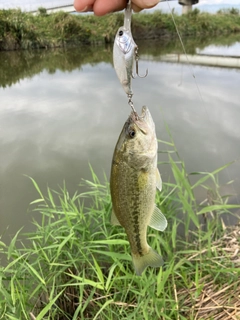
[61,110]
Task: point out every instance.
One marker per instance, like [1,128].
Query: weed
[21,30]
[77,266]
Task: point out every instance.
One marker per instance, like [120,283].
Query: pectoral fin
[158,220]
[158,180]
[114,219]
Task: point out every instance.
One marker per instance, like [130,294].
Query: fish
[134,180]
[124,52]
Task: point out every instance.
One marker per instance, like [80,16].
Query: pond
[63,109]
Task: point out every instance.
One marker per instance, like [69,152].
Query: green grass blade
[98,271]
[102,308]
[218,207]
[36,273]
[48,307]
[83,281]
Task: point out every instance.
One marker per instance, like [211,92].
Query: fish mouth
[145,113]
[134,117]
[142,120]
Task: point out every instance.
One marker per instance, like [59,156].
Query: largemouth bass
[133,183]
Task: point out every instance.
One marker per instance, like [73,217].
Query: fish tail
[152,259]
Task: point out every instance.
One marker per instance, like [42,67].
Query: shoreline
[20,30]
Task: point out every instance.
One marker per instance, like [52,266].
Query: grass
[21,30]
[78,266]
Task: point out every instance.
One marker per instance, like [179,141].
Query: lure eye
[120,33]
[132,133]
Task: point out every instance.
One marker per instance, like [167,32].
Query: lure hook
[137,71]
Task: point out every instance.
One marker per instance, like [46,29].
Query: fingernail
[87,9]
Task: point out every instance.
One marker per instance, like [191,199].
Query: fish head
[137,144]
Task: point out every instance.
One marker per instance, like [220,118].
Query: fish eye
[120,33]
[132,133]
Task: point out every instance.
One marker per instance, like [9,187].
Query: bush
[42,11]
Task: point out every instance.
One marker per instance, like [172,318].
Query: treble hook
[137,72]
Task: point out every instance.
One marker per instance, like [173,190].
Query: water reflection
[226,50]
[17,65]
[61,110]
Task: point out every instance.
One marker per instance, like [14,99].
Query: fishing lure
[125,55]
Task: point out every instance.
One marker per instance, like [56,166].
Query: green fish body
[133,183]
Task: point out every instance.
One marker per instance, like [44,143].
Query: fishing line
[184,50]
[199,91]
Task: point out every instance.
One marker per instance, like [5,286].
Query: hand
[102,7]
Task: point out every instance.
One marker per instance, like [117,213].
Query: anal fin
[158,220]
[114,219]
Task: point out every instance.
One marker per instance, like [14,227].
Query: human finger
[138,5]
[136,8]
[101,7]
[83,5]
